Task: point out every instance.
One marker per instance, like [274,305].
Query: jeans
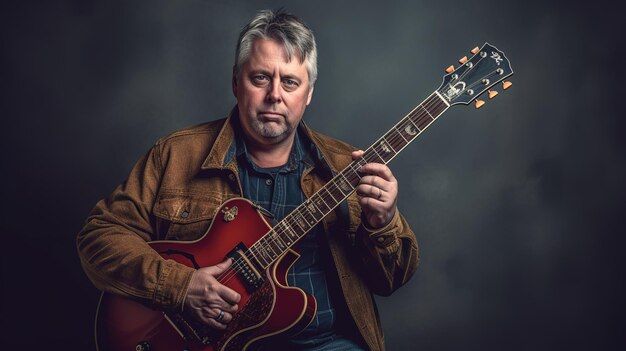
[333,343]
[337,343]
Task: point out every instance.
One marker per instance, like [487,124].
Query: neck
[272,155]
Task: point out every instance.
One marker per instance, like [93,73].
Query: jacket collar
[215,158]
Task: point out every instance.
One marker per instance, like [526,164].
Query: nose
[274,93]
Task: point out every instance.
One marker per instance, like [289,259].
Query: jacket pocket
[183,215]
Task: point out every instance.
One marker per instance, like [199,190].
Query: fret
[385,143]
[384,149]
[423,120]
[293,236]
[295,228]
[408,129]
[351,176]
[360,162]
[284,234]
[274,246]
[331,196]
[266,249]
[313,210]
[252,253]
[319,202]
[372,156]
[428,112]
[279,240]
[343,184]
[306,214]
[400,133]
[356,165]
[433,106]
[335,192]
[297,219]
[257,251]
[396,140]
[428,115]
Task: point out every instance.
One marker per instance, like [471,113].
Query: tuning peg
[492,94]
[475,50]
[479,103]
[506,85]
[450,69]
[463,60]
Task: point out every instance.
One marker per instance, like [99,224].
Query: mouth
[271,116]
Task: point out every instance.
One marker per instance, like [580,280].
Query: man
[261,151]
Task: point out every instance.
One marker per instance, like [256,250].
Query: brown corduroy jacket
[173,193]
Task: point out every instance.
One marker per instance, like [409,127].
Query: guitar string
[479,81]
[488,75]
[273,236]
[272,233]
[397,139]
[397,136]
[466,72]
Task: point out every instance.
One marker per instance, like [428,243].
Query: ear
[308,100]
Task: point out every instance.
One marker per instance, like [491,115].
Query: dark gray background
[518,207]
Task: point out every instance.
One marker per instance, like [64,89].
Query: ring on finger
[220,316]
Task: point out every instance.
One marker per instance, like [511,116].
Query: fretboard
[302,219]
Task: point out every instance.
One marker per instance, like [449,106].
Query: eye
[290,84]
[260,79]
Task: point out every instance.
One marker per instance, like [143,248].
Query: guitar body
[269,309]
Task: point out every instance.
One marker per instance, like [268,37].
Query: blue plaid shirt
[278,190]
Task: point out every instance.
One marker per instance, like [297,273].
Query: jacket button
[185,214]
[380,239]
[231,176]
[268,181]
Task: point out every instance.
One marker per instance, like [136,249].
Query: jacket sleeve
[389,254]
[113,248]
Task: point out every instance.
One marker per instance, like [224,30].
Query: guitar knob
[450,69]
[143,346]
[479,103]
[506,85]
[475,50]
[492,94]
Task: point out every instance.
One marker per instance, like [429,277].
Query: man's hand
[378,193]
[208,300]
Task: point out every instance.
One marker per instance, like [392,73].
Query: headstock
[480,73]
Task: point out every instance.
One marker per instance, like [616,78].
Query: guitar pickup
[244,267]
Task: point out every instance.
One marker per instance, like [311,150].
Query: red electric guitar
[262,254]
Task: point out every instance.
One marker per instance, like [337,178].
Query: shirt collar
[301,150]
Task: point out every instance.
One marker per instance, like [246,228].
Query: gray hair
[286,29]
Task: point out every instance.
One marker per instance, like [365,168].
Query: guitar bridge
[246,270]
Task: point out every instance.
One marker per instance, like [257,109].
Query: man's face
[271,93]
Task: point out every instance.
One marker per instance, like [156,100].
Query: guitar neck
[301,220]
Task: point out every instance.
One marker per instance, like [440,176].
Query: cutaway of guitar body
[271,309]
